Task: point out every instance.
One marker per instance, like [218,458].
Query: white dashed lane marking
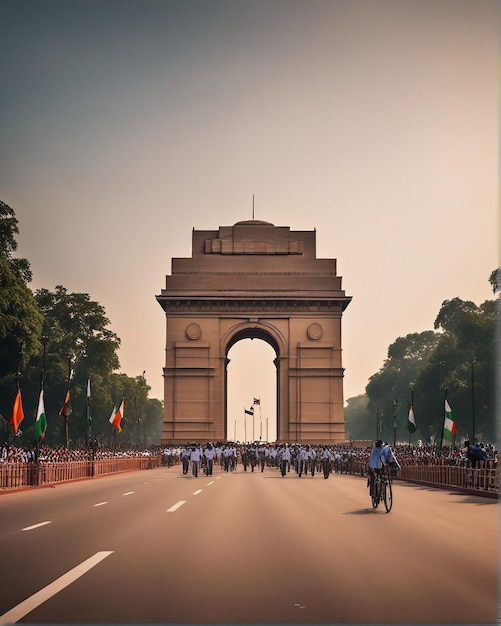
[36,526]
[31,603]
[176,506]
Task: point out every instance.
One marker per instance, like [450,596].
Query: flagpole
[395,421]
[66,408]
[42,373]
[87,416]
[412,405]
[18,375]
[443,420]
[18,370]
[245,426]
[260,422]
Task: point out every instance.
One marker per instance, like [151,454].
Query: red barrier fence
[484,479]
[19,475]
[481,478]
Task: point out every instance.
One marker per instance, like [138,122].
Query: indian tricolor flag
[450,426]
[411,422]
[117,416]
[41,422]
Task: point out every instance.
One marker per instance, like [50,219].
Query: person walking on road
[195,457]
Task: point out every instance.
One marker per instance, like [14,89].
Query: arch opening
[251,385]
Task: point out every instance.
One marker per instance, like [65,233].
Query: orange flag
[66,408]
[17,413]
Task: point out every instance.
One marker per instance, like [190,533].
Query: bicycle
[381,490]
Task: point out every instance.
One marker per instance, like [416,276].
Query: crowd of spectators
[61,454]
[345,458]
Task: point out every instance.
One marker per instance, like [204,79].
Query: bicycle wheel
[375,494]
[388,496]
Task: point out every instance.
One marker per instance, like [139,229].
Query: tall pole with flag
[41,420]
[17,410]
[443,421]
[248,412]
[450,427]
[66,408]
[411,420]
[395,402]
[258,402]
[88,418]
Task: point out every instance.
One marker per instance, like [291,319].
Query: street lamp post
[394,422]
[473,361]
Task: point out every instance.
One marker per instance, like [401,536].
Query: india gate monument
[253,280]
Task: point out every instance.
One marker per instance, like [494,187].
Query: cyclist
[381,453]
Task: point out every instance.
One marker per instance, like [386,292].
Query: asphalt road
[241,547]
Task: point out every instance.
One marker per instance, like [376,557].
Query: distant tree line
[455,361]
[71,330]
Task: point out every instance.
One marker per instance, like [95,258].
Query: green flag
[450,426]
[41,422]
[411,422]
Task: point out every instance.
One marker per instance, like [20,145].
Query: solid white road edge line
[176,506]
[34,601]
[36,526]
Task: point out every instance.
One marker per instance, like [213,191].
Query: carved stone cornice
[241,306]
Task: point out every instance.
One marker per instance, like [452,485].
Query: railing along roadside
[31,474]
[481,479]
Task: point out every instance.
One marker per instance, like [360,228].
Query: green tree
[494,280]
[20,320]
[357,419]
[9,229]
[463,364]
[76,336]
[389,390]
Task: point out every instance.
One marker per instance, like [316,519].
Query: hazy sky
[126,123]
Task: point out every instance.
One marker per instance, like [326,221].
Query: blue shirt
[378,455]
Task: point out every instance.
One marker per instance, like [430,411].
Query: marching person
[209,454]
[195,457]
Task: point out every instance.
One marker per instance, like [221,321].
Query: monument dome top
[254,223]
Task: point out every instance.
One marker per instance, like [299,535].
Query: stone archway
[253,331]
[253,279]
